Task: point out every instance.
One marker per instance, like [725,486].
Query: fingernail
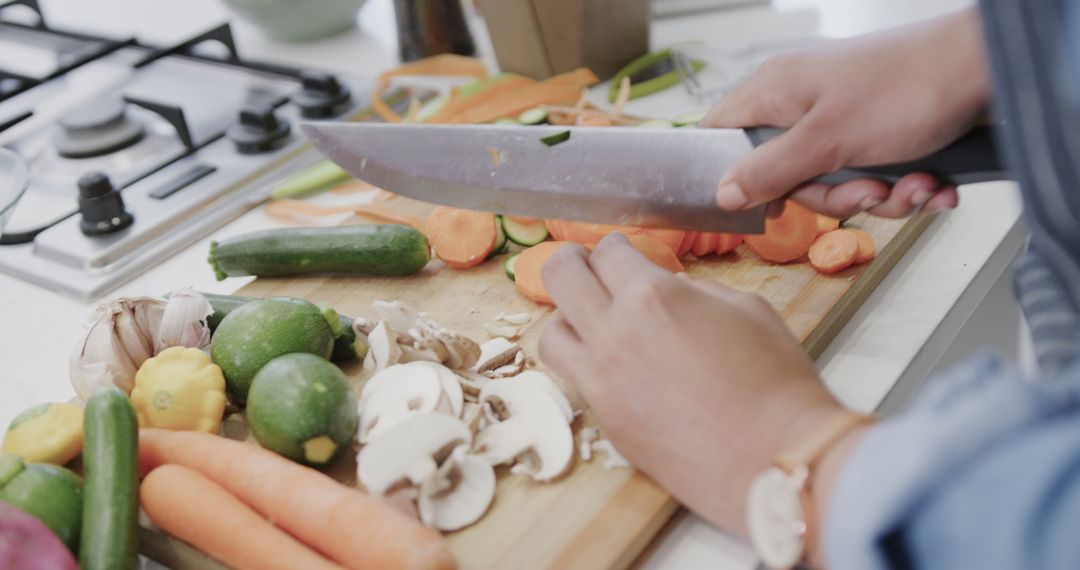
[870,201]
[730,196]
[921,197]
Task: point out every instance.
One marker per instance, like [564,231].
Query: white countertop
[894,339]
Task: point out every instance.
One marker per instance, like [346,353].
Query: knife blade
[639,177]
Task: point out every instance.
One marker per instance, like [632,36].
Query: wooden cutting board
[593,517]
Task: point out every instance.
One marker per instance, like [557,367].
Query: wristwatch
[779,506]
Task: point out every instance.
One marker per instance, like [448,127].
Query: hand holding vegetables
[734,383]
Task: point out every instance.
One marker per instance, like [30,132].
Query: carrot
[527,271]
[461,238]
[590,234]
[657,251]
[834,251]
[726,243]
[787,237]
[554,227]
[687,243]
[351,187]
[704,244]
[867,248]
[343,524]
[826,224]
[580,77]
[495,90]
[414,109]
[523,220]
[388,214]
[445,64]
[514,103]
[198,511]
[590,121]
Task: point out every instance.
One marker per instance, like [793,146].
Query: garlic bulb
[124,333]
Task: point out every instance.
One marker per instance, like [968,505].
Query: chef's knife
[631,176]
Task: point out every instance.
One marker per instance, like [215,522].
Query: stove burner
[98,128]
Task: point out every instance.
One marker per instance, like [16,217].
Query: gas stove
[136,151]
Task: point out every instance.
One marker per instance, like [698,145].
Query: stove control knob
[321,95]
[258,129]
[101,206]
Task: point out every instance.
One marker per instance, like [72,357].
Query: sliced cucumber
[555,139]
[509,266]
[501,243]
[690,119]
[537,116]
[507,121]
[656,124]
[525,234]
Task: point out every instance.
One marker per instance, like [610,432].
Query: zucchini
[537,116]
[525,234]
[507,121]
[502,245]
[656,124]
[356,250]
[650,73]
[690,119]
[509,267]
[556,139]
[347,347]
[309,180]
[111,488]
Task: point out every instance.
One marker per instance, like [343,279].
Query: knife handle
[971,158]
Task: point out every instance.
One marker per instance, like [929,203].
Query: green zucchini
[356,250]
[111,488]
[556,139]
[525,234]
[509,267]
[690,119]
[309,180]
[537,116]
[347,346]
[658,67]
[507,121]
[502,245]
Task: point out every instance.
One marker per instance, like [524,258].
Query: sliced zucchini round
[509,267]
[537,116]
[656,124]
[525,234]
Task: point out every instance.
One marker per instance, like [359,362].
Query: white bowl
[298,20]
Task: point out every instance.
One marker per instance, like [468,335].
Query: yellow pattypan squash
[46,433]
[180,389]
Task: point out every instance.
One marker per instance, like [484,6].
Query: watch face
[775,519]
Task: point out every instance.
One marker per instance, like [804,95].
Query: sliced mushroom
[458,493]
[519,319]
[473,416]
[472,383]
[395,394]
[502,331]
[451,387]
[585,450]
[410,451]
[383,345]
[495,353]
[614,458]
[544,382]
[529,423]
[463,351]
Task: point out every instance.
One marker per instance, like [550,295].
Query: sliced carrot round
[461,238]
[687,243]
[727,243]
[704,244]
[867,248]
[656,251]
[554,227]
[523,220]
[787,237]
[527,270]
[671,238]
[834,251]
[826,224]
